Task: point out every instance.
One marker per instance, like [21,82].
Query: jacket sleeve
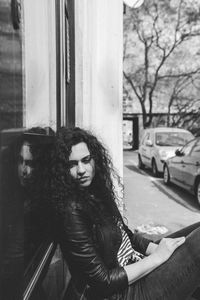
[78,244]
[139,243]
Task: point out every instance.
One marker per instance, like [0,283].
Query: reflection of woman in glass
[13,224]
[23,209]
[107,260]
[25,164]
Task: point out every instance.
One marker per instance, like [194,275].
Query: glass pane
[25,212]
[172,138]
[196,150]
[25,228]
[11,100]
[11,119]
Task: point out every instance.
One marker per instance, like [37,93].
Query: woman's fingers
[167,246]
[178,241]
[172,244]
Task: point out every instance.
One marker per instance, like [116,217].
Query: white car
[160,143]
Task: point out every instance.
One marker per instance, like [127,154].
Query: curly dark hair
[39,148]
[63,186]
[25,202]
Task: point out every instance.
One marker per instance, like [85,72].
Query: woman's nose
[24,169]
[81,169]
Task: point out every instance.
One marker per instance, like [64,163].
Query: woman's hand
[165,249]
[151,248]
[157,255]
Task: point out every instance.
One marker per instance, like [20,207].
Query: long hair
[36,139]
[64,188]
[24,201]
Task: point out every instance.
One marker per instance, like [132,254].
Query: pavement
[152,208]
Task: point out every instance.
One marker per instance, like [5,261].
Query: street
[152,207]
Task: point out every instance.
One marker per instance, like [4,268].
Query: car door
[191,165]
[175,169]
[143,148]
[149,148]
[177,164]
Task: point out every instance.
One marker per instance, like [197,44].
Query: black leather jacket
[90,249]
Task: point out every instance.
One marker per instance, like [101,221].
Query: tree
[161,56]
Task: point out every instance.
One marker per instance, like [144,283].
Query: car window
[172,138]
[145,138]
[196,150]
[188,147]
[148,137]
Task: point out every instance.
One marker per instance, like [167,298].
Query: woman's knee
[185,231]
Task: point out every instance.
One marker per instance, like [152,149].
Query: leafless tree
[156,62]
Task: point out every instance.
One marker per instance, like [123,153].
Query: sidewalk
[149,208]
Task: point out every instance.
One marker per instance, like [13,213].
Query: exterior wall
[39,55]
[98,69]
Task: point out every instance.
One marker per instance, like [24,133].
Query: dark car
[183,169]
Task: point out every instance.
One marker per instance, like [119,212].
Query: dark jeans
[178,277]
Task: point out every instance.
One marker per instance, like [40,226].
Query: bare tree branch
[146,79]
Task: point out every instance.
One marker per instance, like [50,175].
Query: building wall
[99,42]
[98,68]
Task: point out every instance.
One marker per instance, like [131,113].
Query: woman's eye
[86,160]
[30,163]
[72,164]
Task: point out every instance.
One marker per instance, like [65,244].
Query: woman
[107,260]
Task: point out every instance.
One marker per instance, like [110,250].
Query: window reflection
[12,225]
[26,213]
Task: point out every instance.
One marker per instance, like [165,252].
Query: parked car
[160,143]
[184,168]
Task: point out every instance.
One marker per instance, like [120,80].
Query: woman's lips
[83,179]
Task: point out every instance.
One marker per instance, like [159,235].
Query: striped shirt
[126,254]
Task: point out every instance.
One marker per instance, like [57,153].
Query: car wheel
[154,168]
[198,191]
[166,175]
[140,163]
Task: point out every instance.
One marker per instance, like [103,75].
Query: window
[11,123]
[145,138]
[11,91]
[172,138]
[31,263]
[188,147]
[196,150]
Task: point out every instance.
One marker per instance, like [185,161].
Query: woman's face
[25,164]
[81,164]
